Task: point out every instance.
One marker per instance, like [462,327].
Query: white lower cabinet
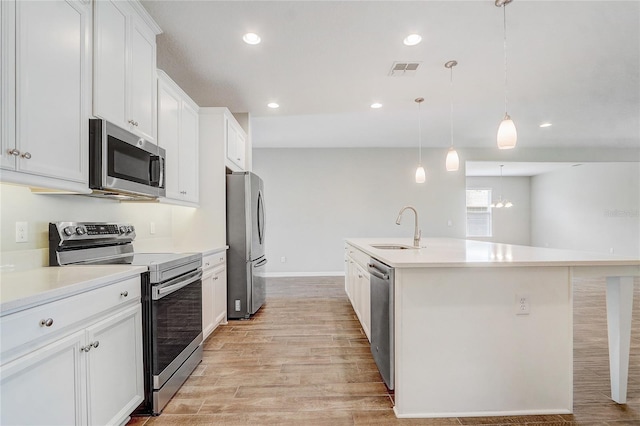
[87,373]
[114,383]
[45,386]
[214,292]
[358,287]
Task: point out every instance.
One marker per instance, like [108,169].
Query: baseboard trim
[304,274]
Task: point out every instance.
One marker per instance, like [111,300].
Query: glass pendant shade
[453,161]
[420,175]
[507,135]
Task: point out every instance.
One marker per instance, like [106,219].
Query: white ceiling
[573,63]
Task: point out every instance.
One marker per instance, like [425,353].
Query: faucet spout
[417,233]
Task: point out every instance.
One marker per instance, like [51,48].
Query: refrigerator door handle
[260,218]
[261,263]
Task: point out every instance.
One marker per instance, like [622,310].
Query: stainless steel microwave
[123,165]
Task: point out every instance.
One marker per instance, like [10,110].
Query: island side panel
[461,350]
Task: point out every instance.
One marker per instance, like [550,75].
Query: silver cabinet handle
[215,278]
[85,349]
[124,293]
[26,155]
[206,264]
[46,322]
[131,122]
[13,151]
[95,344]
[221,259]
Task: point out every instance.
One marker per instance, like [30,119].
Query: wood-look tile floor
[304,360]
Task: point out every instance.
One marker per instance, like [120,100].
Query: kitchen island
[485,329]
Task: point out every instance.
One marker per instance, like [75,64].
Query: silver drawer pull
[124,293]
[46,322]
[221,259]
[206,264]
[26,155]
[14,152]
[95,344]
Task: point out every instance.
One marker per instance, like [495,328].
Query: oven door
[176,324]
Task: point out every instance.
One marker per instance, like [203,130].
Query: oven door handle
[174,285]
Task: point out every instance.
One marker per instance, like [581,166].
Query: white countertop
[32,287]
[450,252]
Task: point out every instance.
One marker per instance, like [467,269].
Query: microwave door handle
[161,179]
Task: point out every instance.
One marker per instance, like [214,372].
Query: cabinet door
[240,150]
[143,80]
[220,295]
[52,88]
[208,324]
[189,153]
[232,137]
[45,386]
[7,83]
[365,286]
[169,136]
[114,370]
[110,61]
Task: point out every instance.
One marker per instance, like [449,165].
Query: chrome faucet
[417,233]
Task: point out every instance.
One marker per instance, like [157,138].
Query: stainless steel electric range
[171,300]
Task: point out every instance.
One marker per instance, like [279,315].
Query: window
[478,212]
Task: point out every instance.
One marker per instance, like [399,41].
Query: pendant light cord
[451,111]
[419,137]
[504,17]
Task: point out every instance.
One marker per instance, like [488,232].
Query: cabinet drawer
[359,257]
[28,325]
[213,260]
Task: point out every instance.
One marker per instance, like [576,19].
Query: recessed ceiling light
[273,105]
[545,125]
[251,38]
[412,39]
[376,105]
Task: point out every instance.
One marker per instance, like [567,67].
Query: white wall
[594,207]
[18,203]
[512,225]
[315,198]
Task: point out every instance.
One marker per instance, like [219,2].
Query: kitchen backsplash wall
[19,204]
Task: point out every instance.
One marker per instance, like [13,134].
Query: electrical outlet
[22,232]
[237,305]
[152,228]
[523,306]
[283,259]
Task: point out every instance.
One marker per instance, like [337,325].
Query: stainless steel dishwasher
[382,347]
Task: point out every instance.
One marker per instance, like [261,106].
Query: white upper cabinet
[236,145]
[46,97]
[178,135]
[124,64]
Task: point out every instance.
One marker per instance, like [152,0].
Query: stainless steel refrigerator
[246,283]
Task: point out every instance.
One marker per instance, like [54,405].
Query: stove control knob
[69,231]
[130,229]
[80,230]
[122,229]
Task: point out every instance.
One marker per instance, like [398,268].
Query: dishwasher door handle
[376,272]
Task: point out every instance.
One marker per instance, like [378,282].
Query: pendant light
[453,161]
[507,135]
[420,173]
[502,202]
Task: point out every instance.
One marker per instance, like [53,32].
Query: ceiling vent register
[404,69]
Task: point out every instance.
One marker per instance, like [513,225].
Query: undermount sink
[392,247]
